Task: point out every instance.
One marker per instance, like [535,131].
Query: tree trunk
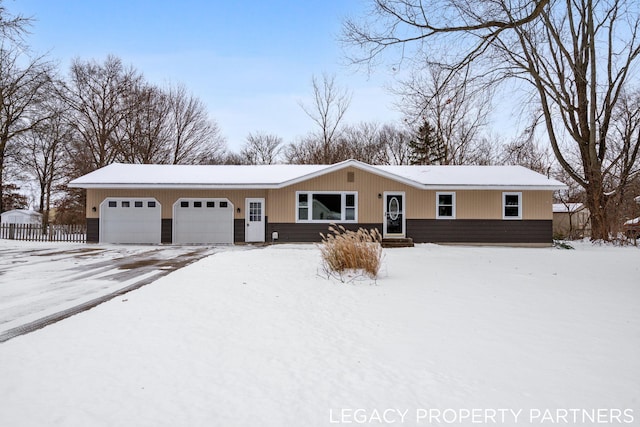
[596,202]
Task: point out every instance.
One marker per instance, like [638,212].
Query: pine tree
[427,148]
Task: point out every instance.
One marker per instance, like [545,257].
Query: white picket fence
[37,233]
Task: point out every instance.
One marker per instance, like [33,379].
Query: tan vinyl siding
[537,205]
[281,205]
[167,198]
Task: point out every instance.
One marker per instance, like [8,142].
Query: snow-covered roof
[120,175]
[633,221]
[567,207]
[23,212]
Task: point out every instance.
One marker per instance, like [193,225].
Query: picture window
[326,207]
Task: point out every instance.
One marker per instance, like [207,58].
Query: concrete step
[400,242]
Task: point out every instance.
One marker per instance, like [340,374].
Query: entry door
[394,221]
[254,220]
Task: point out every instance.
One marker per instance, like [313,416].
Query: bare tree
[396,142]
[363,142]
[455,105]
[327,110]
[261,149]
[42,155]
[12,27]
[24,83]
[145,133]
[97,95]
[194,137]
[577,57]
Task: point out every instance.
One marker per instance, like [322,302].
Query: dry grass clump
[343,250]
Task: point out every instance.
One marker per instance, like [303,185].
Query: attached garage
[202,221]
[130,220]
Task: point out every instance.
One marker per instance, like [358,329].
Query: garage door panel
[203,221]
[130,221]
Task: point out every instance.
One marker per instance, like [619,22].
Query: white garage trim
[203,221]
[130,220]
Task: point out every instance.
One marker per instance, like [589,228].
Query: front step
[400,242]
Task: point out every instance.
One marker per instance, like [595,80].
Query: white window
[326,207]
[511,205]
[445,205]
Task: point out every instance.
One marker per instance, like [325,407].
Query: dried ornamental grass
[345,250]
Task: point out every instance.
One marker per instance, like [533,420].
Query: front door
[254,220]
[394,221]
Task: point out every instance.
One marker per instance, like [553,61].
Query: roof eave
[181,186]
[493,187]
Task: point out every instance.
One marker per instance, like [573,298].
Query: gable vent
[351,176]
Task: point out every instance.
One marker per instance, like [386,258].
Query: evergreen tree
[12,199]
[427,147]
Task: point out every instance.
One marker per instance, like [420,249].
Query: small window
[350,206]
[184,204]
[125,204]
[511,205]
[445,205]
[197,204]
[211,204]
[113,204]
[137,204]
[151,204]
[224,204]
[303,206]
[255,211]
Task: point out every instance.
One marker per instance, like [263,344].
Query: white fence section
[38,233]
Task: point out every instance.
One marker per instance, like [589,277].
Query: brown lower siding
[238,230]
[479,231]
[420,230]
[166,230]
[299,233]
[434,231]
[93,230]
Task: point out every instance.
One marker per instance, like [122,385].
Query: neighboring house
[294,203]
[632,228]
[571,220]
[21,216]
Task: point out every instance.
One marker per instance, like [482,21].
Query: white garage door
[203,221]
[130,220]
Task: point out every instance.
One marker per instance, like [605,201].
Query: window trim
[453,204]
[343,207]
[504,205]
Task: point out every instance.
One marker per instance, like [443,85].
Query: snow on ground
[512,336]
[40,279]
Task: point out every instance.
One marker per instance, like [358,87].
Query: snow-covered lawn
[43,279]
[510,336]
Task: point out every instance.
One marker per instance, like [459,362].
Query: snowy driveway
[43,283]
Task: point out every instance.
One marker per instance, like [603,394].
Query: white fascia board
[505,187]
[356,164]
[176,186]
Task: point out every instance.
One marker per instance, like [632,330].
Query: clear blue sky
[250,61]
